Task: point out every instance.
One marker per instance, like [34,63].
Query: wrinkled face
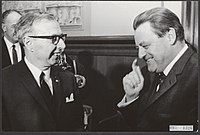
[153,49]
[8,26]
[44,51]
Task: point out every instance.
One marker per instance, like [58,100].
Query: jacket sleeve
[130,112]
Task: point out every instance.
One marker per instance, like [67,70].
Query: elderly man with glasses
[37,95]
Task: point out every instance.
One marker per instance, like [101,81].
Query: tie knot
[42,77]
[161,76]
[42,74]
[45,76]
[13,46]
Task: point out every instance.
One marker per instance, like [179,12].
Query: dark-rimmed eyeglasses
[55,38]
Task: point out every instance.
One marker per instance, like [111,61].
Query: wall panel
[106,60]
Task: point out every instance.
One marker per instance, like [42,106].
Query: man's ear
[3,27]
[171,35]
[27,43]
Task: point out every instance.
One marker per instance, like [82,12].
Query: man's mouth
[148,60]
[57,53]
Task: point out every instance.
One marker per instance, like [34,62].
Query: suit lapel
[6,61]
[171,79]
[167,84]
[31,85]
[5,55]
[57,91]
[22,50]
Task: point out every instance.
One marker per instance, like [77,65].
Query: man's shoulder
[16,68]
[194,56]
[3,44]
[190,57]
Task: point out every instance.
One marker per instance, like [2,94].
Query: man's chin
[52,62]
[151,69]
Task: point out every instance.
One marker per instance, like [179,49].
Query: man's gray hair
[26,22]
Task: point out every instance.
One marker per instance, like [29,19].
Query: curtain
[190,21]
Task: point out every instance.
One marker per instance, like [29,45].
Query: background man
[10,54]
[38,96]
[152,103]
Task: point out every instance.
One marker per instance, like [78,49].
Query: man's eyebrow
[143,43]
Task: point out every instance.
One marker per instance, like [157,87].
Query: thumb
[134,64]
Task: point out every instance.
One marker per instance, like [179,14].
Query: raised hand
[133,82]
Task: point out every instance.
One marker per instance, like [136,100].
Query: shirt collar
[8,43]
[47,74]
[36,72]
[171,64]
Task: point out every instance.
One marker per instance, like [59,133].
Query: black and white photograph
[100,67]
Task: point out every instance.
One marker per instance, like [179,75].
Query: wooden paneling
[104,53]
[100,45]
[106,60]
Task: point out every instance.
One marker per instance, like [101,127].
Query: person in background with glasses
[12,51]
[38,96]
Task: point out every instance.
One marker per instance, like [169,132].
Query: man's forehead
[13,17]
[144,27]
[144,32]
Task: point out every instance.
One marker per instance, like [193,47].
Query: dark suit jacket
[174,104]
[6,61]
[24,108]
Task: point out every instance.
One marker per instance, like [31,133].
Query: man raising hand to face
[133,82]
[164,94]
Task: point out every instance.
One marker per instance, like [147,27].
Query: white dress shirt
[37,72]
[123,102]
[17,48]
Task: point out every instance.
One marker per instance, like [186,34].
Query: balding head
[9,19]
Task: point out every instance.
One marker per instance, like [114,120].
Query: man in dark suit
[38,96]
[10,18]
[161,103]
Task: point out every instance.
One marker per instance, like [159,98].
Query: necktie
[14,54]
[44,87]
[49,98]
[160,78]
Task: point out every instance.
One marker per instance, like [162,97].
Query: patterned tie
[14,54]
[160,80]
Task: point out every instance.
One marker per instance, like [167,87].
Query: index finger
[134,64]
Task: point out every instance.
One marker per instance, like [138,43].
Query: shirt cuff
[124,103]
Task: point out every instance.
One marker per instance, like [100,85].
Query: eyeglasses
[55,38]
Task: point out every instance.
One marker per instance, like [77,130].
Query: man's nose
[141,52]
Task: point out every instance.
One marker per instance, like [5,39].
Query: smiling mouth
[57,53]
[148,60]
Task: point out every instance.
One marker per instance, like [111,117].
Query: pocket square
[70,98]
